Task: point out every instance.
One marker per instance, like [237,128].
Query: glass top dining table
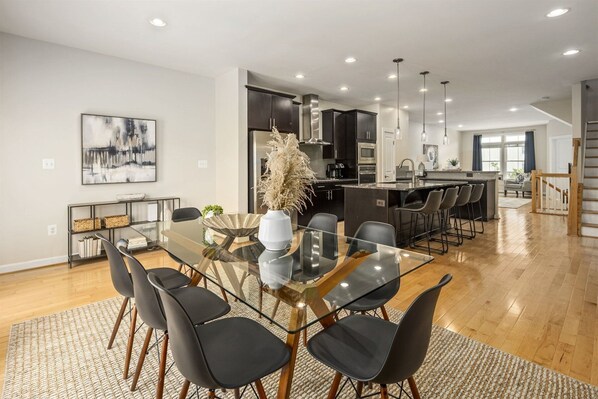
[318,274]
[314,274]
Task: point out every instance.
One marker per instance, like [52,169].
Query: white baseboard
[32,264]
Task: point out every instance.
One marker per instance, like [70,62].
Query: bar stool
[462,200]
[476,198]
[426,211]
[448,202]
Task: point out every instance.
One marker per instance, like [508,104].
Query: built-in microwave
[366,153]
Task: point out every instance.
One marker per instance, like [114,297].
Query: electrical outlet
[52,229]
[202,164]
[48,163]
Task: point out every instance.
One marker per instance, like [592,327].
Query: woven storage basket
[116,221]
[86,224]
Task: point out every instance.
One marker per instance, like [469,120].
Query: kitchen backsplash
[318,164]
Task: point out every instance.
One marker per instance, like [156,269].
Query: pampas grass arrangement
[288,178]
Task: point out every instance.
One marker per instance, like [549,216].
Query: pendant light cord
[398,61]
[444,84]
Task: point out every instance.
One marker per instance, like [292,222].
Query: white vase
[275,268]
[275,231]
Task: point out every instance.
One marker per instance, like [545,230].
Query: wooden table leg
[286,374]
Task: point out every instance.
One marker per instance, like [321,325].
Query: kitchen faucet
[412,169]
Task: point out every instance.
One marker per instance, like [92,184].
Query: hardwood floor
[523,287]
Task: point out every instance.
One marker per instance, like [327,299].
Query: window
[504,153]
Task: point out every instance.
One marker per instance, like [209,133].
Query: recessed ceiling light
[438,113]
[422,90]
[350,60]
[377,99]
[405,107]
[160,23]
[392,76]
[557,12]
[460,126]
[299,76]
[440,120]
[513,109]
[448,100]
[573,51]
[344,88]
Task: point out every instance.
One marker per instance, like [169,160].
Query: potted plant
[453,163]
[286,186]
[211,210]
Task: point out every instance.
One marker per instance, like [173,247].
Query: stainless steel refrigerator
[258,155]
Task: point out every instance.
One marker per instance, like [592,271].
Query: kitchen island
[377,201]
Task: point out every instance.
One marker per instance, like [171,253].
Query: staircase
[589,212]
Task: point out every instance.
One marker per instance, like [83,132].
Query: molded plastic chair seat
[356,346]
[172,278]
[203,305]
[240,351]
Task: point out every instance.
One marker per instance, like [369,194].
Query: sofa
[520,183]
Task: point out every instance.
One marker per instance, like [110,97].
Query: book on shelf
[89,246]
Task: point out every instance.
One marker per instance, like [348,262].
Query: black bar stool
[448,202]
[427,212]
[462,201]
[476,199]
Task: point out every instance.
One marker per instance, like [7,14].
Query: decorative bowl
[234,225]
[130,197]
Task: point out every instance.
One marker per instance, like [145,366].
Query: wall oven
[366,174]
[366,153]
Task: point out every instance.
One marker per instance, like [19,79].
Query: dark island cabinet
[362,124]
[334,131]
[267,109]
[327,198]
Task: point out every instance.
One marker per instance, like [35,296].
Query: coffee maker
[335,170]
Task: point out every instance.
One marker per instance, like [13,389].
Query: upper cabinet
[267,109]
[334,132]
[362,124]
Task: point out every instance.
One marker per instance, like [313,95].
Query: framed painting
[431,152]
[116,149]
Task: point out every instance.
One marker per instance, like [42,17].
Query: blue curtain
[477,152]
[529,163]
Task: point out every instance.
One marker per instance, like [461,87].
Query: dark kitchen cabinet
[328,198]
[362,124]
[266,109]
[334,131]
[295,117]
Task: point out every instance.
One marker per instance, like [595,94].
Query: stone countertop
[420,185]
[466,179]
[328,180]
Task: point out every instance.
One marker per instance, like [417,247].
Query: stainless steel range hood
[311,121]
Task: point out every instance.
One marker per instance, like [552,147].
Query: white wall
[44,90]
[555,128]
[411,146]
[231,141]
[539,144]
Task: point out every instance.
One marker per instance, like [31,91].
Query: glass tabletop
[317,274]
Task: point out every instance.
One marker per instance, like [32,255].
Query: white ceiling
[497,54]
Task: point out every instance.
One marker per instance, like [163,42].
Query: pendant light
[445,139]
[398,134]
[424,135]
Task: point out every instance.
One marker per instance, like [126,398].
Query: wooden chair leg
[237,393]
[413,387]
[383,392]
[384,314]
[130,343]
[162,371]
[334,387]
[184,390]
[141,360]
[211,394]
[119,318]
[260,389]
[359,389]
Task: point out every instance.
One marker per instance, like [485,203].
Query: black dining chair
[183,215]
[203,306]
[122,282]
[228,353]
[366,237]
[372,350]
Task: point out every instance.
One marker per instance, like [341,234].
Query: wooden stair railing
[576,191]
[549,195]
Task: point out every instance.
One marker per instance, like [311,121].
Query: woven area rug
[512,202]
[65,356]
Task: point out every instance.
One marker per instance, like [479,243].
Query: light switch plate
[202,164]
[48,163]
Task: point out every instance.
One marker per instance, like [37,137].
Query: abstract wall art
[117,149]
[431,152]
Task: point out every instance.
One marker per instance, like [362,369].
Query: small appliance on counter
[335,170]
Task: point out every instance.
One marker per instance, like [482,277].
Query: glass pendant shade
[398,135]
[424,136]
[445,139]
